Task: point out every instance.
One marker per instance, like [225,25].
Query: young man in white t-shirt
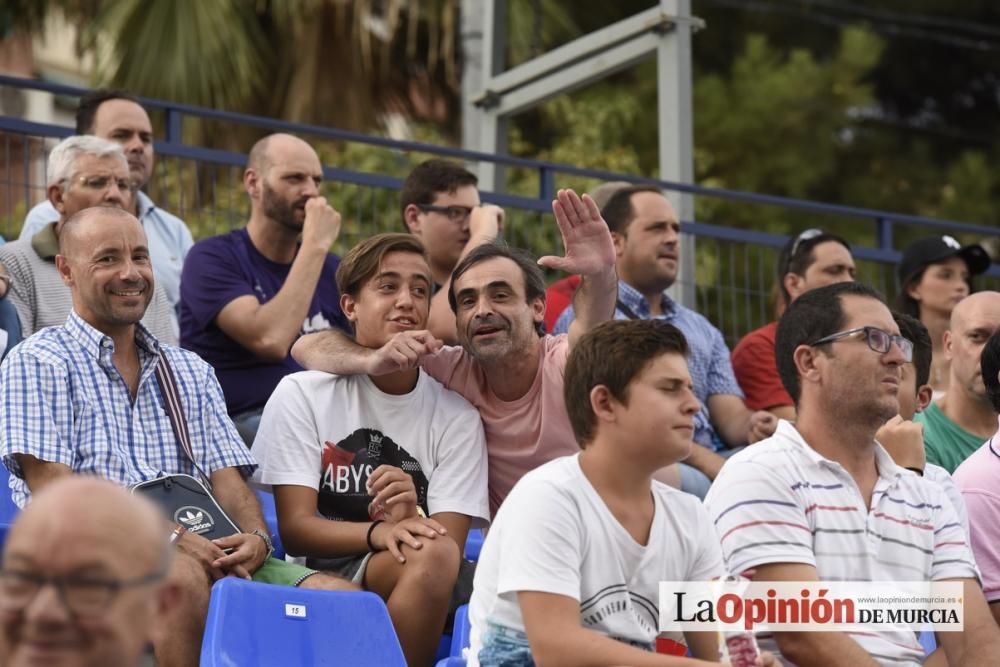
[379,478]
[571,566]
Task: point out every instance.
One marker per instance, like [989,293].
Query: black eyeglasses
[82,596]
[453,213]
[878,340]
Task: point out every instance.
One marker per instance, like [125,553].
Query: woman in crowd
[934,275]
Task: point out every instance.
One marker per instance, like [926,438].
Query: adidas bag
[188,503]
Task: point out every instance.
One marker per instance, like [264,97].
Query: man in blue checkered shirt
[646,233]
[83,398]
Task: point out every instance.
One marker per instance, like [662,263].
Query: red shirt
[558,297]
[757,371]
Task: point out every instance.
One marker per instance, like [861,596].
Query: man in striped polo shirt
[823,501]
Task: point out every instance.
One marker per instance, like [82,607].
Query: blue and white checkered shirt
[62,400]
[708,362]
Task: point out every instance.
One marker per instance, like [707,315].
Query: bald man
[109,559]
[246,296]
[97,409]
[957,424]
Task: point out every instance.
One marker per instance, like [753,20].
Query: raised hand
[904,440]
[322,224]
[589,248]
[486,221]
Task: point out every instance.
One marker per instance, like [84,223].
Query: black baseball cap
[933,249]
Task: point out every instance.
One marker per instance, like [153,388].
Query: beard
[281,210]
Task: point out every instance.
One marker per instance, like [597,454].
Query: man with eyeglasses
[84,583]
[247,295]
[960,421]
[117,116]
[823,501]
[83,171]
[812,259]
[440,205]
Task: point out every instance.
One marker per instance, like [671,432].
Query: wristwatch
[267,541]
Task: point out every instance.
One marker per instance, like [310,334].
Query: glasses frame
[112,588]
[446,211]
[905,345]
[124,185]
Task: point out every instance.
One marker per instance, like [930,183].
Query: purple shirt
[222,268]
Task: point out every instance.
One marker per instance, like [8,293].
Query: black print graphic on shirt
[347,465]
[618,599]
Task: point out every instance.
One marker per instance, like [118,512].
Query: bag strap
[172,401]
[629,313]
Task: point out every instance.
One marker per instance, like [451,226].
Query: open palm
[589,248]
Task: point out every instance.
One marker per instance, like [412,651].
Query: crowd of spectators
[427,383]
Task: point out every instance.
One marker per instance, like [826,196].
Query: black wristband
[368,537]
[916,470]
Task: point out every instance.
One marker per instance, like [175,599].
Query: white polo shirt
[779,501]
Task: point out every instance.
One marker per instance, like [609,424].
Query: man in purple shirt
[246,296]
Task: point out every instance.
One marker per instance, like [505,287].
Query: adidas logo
[192,518]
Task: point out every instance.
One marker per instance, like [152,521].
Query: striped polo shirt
[779,501]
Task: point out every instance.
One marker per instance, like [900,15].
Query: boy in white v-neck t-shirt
[380,478]
[571,566]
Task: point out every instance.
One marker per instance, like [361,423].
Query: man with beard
[821,500]
[506,367]
[83,398]
[958,423]
[247,295]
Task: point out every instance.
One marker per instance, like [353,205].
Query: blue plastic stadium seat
[444,648]
[474,544]
[266,499]
[461,636]
[8,510]
[260,624]
[453,661]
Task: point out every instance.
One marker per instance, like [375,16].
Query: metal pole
[674,102]
[487,131]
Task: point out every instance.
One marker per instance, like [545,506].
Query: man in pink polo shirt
[506,366]
[979,479]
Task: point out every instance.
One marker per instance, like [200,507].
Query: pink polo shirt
[521,434]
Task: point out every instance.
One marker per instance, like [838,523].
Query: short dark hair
[989,364]
[432,177]
[618,212]
[363,260]
[86,110]
[914,331]
[534,281]
[814,315]
[803,257]
[613,354]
